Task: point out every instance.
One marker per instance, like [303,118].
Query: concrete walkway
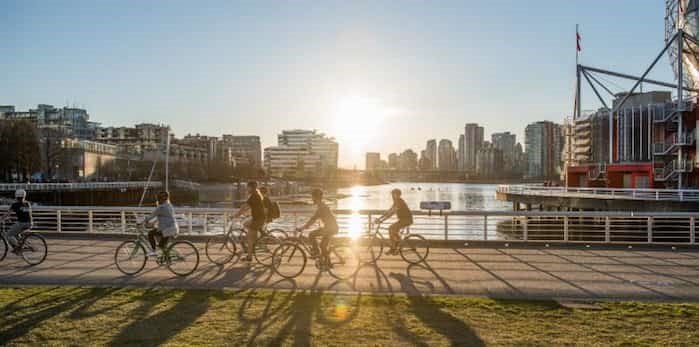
[522,272]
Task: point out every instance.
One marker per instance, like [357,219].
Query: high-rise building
[373,161]
[446,156]
[393,161]
[544,145]
[407,160]
[431,154]
[301,153]
[506,143]
[473,140]
[461,154]
[489,161]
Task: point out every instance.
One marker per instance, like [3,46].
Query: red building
[652,144]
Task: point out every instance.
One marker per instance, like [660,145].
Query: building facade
[473,140]
[446,156]
[506,142]
[373,161]
[544,147]
[301,152]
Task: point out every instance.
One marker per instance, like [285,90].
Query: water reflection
[355,204]
[463,197]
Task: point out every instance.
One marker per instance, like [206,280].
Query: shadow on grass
[431,314]
[156,329]
[26,317]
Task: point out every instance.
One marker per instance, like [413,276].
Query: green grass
[119,317]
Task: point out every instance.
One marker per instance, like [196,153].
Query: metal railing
[617,193]
[673,142]
[7,187]
[517,226]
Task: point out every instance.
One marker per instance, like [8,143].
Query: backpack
[274,211]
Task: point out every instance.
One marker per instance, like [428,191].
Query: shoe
[152,254]
[248,259]
[16,251]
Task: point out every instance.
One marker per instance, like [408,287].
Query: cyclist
[272,210]
[167,225]
[405,219]
[23,211]
[327,231]
[257,211]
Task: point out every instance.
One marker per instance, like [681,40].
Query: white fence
[609,193]
[33,187]
[601,227]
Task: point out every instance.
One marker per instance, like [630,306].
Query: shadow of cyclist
[432,315]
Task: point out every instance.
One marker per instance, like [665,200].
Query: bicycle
[413,248]
[371,243]
[290,257]
[221,249]
[181,257]
[30,246]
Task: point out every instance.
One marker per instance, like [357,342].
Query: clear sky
[379,76]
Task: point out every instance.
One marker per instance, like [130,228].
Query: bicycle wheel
[183,258]
[264,248]
[370,248]
[33,248]
[414,249]
[220,249]
[344,262]
[289,260]
[130,257]
[3,248]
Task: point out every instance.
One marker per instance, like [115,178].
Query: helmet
[20,193]
[396,191]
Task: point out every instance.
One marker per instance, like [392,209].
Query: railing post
[206,222]
[370,224]
[446,227]
[607,231]
[58,221]
[89,221]
[525,231]
[189,222]
[565,228]
[225,222]
[650,229]
[692,230]
[123,221]
[657,194]
[485,227]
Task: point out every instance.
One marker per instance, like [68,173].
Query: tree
[19,140]
[51,149]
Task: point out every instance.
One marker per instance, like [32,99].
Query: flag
[577,37]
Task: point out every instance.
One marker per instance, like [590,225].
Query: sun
[357,119]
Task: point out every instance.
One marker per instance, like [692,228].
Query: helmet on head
[396,191]
[20,193]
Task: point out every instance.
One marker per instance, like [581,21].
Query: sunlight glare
[357,119]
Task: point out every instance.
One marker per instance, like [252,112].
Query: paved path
[531,272]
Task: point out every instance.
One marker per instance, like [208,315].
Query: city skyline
[369,75]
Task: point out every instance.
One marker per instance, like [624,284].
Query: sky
[377,75]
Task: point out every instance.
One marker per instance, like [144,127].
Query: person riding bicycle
[167,225]
[405,219]
[327,231]
[23,211]
[257,211]
[272,210]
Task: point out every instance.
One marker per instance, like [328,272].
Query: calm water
[463,197]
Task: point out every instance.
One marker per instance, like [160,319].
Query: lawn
[127,316]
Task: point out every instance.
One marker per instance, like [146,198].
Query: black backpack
[274,211]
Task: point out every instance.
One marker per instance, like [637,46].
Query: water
[463,197]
